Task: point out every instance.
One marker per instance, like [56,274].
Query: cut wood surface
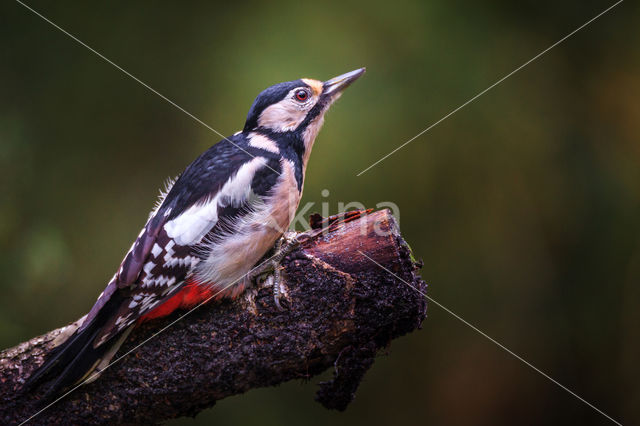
[341,310]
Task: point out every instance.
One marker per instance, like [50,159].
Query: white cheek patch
[281,117]
[192,225]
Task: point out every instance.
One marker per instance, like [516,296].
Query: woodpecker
[209,229]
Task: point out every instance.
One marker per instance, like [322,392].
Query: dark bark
[342,309]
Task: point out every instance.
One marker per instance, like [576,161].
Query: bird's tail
[75,359]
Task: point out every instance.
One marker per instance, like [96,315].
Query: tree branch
[342,309]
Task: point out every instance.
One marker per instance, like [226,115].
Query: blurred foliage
[524,205]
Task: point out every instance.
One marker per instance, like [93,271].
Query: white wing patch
[230,255]
[193,224]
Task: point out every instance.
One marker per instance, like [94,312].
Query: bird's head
[297,106]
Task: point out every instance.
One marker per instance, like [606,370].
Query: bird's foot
[270,271]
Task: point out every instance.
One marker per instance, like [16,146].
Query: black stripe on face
[317,110]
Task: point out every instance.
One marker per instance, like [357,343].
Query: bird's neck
[296,145]
[290,146]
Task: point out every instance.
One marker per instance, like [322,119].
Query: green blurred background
[524,205]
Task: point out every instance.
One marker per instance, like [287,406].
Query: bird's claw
[270,271]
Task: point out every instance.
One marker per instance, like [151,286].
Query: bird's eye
[302,95]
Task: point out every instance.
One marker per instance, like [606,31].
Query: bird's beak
[337,84]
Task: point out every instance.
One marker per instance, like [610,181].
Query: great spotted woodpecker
[210,227]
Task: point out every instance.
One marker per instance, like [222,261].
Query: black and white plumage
[211,226]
